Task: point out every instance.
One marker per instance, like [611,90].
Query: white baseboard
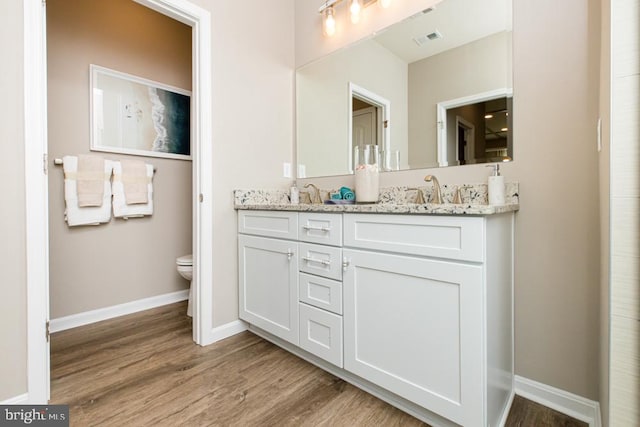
[570,404]
[225,331]
[93,316]
[23,399]
[505,414]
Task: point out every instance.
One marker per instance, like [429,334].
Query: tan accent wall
[557,271]
[13,304]
[93,267]
[624,372]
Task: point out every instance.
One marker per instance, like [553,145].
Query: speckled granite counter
[393,200]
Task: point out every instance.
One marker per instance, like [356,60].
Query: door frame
[383,106]
[36,181]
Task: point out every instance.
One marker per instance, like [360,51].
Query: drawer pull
[289,254]
[345,264]
[312,228]
[319,261]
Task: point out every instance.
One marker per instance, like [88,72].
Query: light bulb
[385,3]
[329,24]
[355,8]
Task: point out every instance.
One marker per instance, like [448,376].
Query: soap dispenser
[294,195]
[496,186]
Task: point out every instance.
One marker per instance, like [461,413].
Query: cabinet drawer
[325,261]
[457,238]
[320,228]
[283,225]
[321,333]
[320,292]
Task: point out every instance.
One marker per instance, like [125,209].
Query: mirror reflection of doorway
[365,124]
[368,121]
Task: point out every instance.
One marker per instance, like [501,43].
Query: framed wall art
[133,115]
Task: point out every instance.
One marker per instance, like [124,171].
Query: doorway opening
[37,194]
[465,135]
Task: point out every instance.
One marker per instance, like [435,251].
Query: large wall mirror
[433,90]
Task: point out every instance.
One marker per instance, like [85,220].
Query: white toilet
[185,268]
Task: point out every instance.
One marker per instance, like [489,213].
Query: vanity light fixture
[355,6]
[355,10]
[329,21]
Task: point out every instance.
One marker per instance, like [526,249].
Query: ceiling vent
[420,40]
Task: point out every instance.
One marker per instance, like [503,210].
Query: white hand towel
[120,207]
[90,180]
[92,215]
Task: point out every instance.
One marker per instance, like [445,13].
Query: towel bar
[58,162]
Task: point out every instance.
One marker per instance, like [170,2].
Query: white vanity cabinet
[428,312]
[416,309]
[268,271]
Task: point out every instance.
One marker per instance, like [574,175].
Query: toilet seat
[185,260]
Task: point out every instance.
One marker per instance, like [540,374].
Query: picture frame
[134,115]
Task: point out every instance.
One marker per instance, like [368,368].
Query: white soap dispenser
[294,194]
[496,186]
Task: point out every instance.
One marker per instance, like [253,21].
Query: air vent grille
[420,40]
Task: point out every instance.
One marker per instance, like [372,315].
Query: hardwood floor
[144,369]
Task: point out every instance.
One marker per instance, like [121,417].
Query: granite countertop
[392,200]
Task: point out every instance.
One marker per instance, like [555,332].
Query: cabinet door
[414,326]
[268,275]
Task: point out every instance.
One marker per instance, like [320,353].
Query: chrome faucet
[315,197]
[437,193]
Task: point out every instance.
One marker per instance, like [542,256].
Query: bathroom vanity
[414,308]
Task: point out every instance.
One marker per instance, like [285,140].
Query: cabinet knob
[345,264]
[289,254]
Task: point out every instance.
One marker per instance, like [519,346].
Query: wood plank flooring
[145,370]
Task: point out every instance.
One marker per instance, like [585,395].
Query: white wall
[624,372]
[13,304]
[556,86]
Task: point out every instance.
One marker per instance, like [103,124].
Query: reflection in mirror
[475,129]
[420,70]
[369,119]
